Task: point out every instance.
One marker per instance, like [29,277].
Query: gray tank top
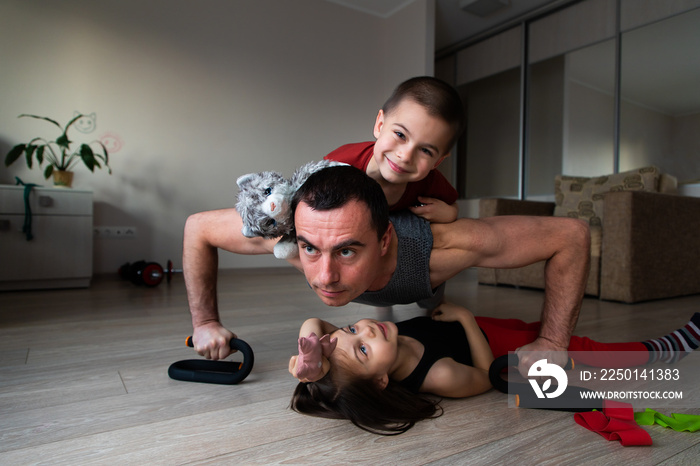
[410,282]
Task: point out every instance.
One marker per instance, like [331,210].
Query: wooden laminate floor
[83,380]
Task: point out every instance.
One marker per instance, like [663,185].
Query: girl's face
[369,348]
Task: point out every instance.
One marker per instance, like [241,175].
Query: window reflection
[488,78]
[660,96]
[489,147]
[570,121]
[571,118]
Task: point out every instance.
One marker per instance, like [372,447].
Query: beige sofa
[645,240]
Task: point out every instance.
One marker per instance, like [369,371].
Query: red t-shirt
[434,185]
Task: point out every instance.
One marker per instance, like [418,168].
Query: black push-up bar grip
[218,372]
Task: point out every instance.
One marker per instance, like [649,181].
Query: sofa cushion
[582,197]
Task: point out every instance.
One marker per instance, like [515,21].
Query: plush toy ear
[328,345]
[243,179]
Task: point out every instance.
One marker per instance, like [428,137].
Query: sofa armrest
[651,246]
[501,206]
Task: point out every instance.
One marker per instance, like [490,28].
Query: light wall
[198,93]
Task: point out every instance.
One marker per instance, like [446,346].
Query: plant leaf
[104,158]
[73,120]
[105,152]
[63,141]
[29,153]
[88,157]
[14,154]
[48,171]
[41,118]
[40,154]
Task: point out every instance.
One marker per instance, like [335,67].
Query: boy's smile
[395,167]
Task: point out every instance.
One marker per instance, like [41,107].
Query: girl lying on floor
[380,374]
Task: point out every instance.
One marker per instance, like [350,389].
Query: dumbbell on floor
[147,273]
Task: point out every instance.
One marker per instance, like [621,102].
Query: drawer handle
[45,201]
[4,225]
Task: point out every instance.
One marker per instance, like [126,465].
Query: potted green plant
[58,153]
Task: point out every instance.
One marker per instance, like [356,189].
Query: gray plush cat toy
[264,205]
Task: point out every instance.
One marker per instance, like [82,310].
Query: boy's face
[339,250]
[410,142]
[369,348]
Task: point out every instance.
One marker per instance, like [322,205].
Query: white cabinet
[60,253]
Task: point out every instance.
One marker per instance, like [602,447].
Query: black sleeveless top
[440,339]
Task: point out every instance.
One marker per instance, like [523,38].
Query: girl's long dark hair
[390,411]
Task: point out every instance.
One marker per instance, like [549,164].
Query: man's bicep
[459,245]
[496,242]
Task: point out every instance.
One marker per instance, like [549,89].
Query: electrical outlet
[115,232]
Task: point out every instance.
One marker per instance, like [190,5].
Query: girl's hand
[448,312]
[317,326]
[326,366]
[435,210]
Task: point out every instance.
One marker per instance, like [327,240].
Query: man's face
[339,251]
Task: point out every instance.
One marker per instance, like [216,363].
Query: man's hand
[212,341]
[435,210]
[541,348]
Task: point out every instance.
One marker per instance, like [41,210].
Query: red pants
[506,335]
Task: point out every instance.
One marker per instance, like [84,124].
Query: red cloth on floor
[615,422]
[506,335]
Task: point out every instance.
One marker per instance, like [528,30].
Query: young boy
[414,130]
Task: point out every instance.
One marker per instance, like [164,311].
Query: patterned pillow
[582,197]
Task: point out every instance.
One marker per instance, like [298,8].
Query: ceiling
[381,8]
[452,24]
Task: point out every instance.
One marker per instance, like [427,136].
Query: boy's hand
[448,312]
[435,210]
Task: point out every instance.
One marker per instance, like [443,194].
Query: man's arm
[515,241]
[205,233]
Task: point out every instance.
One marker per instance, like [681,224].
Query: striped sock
[676,345]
